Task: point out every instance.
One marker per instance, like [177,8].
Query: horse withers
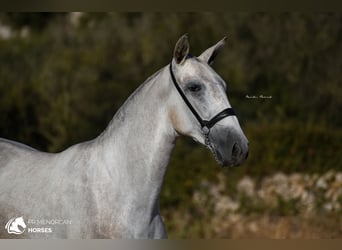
[109,187]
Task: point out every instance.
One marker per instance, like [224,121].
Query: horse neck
[138,142]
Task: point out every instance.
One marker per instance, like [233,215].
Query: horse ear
[209,54]
[181,49]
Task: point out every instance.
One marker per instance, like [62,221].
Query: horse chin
[218,157]
[220,160]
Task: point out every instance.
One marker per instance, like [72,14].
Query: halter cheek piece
[205,124]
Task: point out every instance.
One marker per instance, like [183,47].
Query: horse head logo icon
[13,225]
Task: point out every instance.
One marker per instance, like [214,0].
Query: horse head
[201,109]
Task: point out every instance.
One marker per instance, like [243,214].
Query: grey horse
[109,187]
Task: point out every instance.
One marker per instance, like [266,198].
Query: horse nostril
[235,150]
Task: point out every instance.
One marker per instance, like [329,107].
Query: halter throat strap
[205,124]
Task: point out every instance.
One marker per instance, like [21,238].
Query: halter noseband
[205,124]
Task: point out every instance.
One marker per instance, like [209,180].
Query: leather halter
[205,124]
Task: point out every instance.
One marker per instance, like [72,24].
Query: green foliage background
[61,84]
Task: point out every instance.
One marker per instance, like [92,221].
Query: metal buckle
[205,130]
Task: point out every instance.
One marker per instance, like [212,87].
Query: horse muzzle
[230,148]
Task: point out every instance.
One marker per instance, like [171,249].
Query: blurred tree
[35,21]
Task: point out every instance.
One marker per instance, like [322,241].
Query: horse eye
[195,87]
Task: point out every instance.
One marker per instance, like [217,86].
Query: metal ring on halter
[205,130]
